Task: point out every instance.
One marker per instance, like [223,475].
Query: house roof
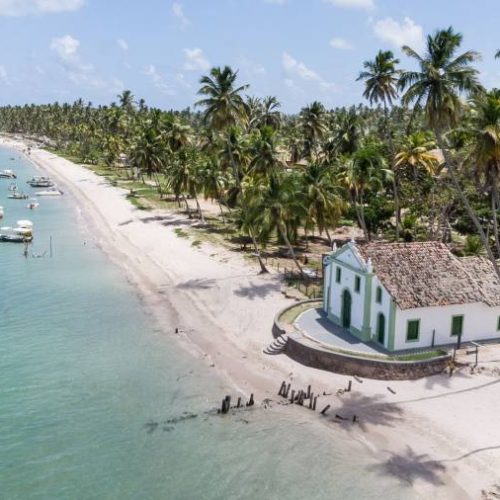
[427,274]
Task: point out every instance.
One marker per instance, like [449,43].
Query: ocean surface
[97,403]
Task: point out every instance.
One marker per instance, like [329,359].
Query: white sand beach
[439,435]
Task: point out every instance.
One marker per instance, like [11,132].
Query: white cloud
[158,80]
[178,12]
[27,7]
[398,34]
[353,4]
[296,68]
[77,71]
[122,44]
[340,43]
[195,60]
[66,47]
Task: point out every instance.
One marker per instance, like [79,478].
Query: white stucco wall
[480,323]
[347,281]
[384,307]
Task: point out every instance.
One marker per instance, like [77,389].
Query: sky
[297,50]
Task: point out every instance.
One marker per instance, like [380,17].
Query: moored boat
[40,182]
[18,195]
[7,174]
[16,234]
[50,192]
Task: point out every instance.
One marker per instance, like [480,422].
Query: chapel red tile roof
[426,274]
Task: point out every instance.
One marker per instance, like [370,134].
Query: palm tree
[485,149]
[381,79]
[271,115]
[325,201]
[224,105]
[275,205]
[312,123]
[418,152]
[361,173]
[265,159]
[436,88]
[148,154]
[126,99]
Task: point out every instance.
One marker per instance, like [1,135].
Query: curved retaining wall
[305,352]
[277,328]
[345,364]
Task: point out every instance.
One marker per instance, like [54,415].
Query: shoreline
[225,311]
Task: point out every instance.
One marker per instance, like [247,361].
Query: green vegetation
[292,313]
[180,232]
[421,163]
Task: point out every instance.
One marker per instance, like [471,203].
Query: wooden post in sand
[292,398]
[308,391]
[287,390]
[325,409]
[314,402]
[311,398]
[282,389]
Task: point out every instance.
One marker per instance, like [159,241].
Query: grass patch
[196,243]
[290,315]
[181,233]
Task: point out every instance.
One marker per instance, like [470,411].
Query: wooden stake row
[226,404]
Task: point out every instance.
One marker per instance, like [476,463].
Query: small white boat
[16,234]
[18,195]
[7,174]
[50,192]
[40,182]
[24,228]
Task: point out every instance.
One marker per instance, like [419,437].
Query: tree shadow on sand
[409,467]
[253,291]
[199,283]
[369,410]
[444,380]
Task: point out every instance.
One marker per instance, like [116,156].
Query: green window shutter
[378,295]
[413,330]
[357,283]
[457,324]
[338,275]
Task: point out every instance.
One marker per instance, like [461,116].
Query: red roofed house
[411,295]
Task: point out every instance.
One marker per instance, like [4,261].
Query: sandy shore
[438,435]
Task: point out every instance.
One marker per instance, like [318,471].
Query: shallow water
[87,383]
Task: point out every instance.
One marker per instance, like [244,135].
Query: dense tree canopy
[423,158]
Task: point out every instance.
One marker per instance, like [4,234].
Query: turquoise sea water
[87,382]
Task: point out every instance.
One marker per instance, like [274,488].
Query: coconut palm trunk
[494,215]
[198,208]
[282,232]
[463,198]
[263,268]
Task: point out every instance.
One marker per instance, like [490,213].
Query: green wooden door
[346,309]
[381,328]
